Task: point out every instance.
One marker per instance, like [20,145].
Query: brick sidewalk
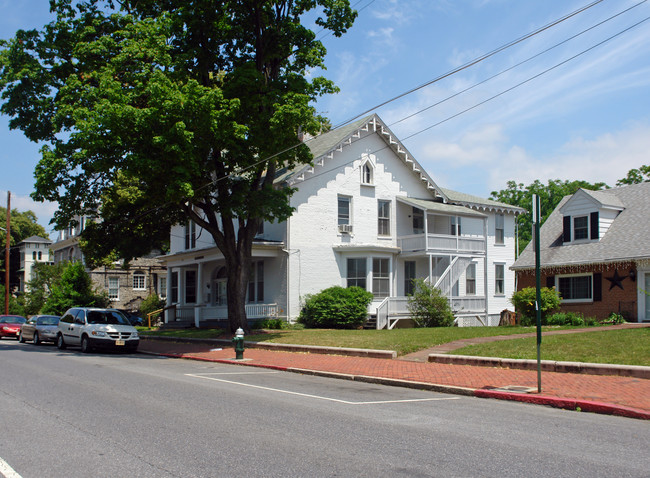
[618,395]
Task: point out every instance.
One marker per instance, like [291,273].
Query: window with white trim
[499,235]
[357,272]
[575,287]
[256,282]
[190,286]
[174,287]
[383,217]
[418,221]
[380,277]
[367,174]
[580,227]
[455,226]
[344,203]
[190,235]
[499,279]
[470,280]
[162,281]
[138,281]
[114,288]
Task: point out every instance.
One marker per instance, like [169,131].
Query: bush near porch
[336,308]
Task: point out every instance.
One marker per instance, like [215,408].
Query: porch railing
[393,309]
[441,243]
[207,312]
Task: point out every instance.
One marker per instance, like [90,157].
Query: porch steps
[371,322]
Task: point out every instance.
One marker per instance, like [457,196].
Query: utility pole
[538,288]
[8,231]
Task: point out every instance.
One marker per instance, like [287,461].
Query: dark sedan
[10,325]
[40,328]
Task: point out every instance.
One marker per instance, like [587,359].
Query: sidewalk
[615,395]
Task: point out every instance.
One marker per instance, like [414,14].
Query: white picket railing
[208,312]
[393,309]
[441,243]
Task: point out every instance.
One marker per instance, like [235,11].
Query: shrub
[565,318]
[74,289]
[614,319]
[336,308]
[524,302]
[274,324]
[151,303]
[429,307]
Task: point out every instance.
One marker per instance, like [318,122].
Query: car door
[27,329]
[76,328]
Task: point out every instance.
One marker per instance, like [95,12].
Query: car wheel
[60,343]
[85,345]
[36,340]
[21,339]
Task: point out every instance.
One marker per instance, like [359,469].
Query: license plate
[119,342]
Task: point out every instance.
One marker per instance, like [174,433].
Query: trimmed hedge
[336,308]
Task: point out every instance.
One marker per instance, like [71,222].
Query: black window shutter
[598,287]
[594,225]
[566,229]
[550,281]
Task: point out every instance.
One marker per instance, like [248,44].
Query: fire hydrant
[238,342]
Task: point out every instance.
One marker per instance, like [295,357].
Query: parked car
[133,319]
[92,328]
[10,325]
[40,328]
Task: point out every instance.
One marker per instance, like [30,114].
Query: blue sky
[588,118]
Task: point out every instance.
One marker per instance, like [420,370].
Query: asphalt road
[64,414]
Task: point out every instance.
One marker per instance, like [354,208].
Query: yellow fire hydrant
[238,342]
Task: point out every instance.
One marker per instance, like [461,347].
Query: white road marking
[319,397]
[7,471]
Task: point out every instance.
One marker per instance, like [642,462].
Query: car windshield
[106,317]
[47,320]
[12,319]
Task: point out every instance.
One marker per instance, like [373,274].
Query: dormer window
[367,174]
[580,228]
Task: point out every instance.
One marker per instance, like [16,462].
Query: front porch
[199,314]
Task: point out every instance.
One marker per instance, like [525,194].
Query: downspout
[485,268]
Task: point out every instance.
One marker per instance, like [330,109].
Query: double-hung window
[383,217]
[499,279]
[114,288]
[580,228]
[344,210]
[455,226]
[138,281]
[256,282]
[357,272]
[470,280]
[190,287]
[174,287]
[380,277]
[498,229]
[190,235]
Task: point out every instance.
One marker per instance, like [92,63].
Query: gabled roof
[628,237]
[602,199]
[324,146]
[480,203]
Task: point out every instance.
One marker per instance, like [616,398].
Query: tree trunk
[238,271]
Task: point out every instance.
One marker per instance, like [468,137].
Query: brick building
[595,249]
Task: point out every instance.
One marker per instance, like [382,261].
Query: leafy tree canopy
[22,225]
[155,111]
[73,288]
[549,194]
[635,176]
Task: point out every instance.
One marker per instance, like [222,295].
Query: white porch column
[199,295]
[181,286]
[168,300]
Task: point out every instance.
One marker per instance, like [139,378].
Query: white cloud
[44,210]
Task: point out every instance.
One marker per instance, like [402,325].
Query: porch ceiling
[441,208]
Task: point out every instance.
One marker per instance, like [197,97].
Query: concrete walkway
[625,396]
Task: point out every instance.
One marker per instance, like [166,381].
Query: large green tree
[157,111]
[550,195]
[635,176]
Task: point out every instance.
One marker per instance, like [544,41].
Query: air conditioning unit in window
[345,228]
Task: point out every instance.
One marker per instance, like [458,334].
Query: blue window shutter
[594,226]
[566,229]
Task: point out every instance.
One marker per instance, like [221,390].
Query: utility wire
[557,65]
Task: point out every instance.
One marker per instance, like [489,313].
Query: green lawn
[629,346]
[626,347]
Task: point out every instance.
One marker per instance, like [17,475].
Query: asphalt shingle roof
[627,238]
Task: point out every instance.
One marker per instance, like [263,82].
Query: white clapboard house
[366,214]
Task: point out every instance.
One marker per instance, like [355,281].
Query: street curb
[566,403]
[556,402]
[314,349]
[635,371]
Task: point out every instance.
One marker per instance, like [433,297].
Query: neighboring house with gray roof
[366,214]
[595,249]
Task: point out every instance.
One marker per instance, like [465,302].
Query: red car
[10,325]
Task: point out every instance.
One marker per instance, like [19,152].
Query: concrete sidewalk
[616,395]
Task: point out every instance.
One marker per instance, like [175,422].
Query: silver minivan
[92,328]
